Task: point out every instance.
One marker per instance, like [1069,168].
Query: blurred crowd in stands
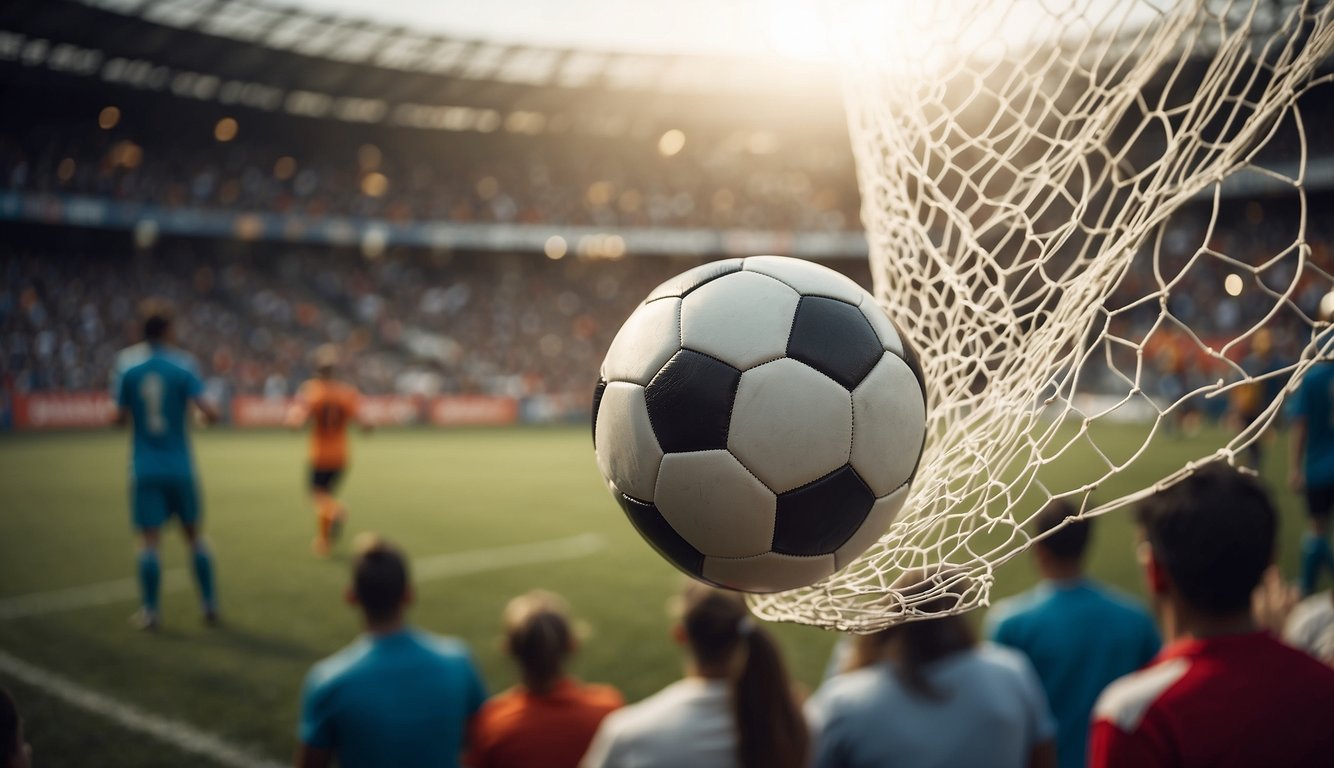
[739,180]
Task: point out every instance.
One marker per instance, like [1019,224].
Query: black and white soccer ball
[759,420]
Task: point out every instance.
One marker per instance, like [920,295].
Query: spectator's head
[540,637]
[912,645]
[157,317]
[14,750]
[1207,540]
[1060,554]
[325,359]
[380,582]
[726,643]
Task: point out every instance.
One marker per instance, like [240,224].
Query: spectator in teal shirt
[1078,634]
[397,697]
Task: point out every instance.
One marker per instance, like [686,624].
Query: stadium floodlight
[1043,185]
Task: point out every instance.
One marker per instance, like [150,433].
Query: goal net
[1093,220]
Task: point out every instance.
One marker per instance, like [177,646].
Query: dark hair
[380,579]
[157,319]
[771,732]
[1213,533]
[9,726]
[1071,541]
[919,642]
[538,635]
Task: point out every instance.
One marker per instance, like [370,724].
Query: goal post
[1092,218]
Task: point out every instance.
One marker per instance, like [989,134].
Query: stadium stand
[294,199]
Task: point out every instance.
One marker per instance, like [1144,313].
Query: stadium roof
[259,55]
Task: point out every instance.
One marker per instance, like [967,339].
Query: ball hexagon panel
[821,517]
[647,340]
[627,450]
[661,536]
[834,338]
[790,424]
[690,402]
[891,399]
[807,278]
[742,319]
[770,572]
[715,504]
[882,513]
[691,279]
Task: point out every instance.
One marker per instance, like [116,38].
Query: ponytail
[539,637]
[770,728]
[771,732]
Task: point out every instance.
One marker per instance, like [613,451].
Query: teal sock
[150,578]
[203,563]
[1315,552]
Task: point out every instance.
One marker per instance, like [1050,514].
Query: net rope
[1091,220]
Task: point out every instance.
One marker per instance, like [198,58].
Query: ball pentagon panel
[834,338]
[822,516]
[877,521]
[690,402]
[661,535]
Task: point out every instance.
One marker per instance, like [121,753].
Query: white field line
[57,600]
[177,733]
[425,569]
[482,560]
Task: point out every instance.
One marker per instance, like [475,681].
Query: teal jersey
[1314,404]
[155,384]
[398,701]
[1079,637]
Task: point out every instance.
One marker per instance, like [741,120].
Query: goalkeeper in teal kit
[154,384]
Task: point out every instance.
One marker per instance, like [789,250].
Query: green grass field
[64,525]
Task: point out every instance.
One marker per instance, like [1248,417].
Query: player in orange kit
[329,406]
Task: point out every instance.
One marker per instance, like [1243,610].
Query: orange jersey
[517,729]
[329,405]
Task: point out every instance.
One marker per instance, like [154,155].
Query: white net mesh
[1093,220]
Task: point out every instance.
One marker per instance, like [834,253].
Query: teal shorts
[154,500]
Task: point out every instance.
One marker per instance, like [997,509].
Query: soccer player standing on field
[153,384]
[329,406]
[1311,469]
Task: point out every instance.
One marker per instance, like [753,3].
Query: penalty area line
[177,733]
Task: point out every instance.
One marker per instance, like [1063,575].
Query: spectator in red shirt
[549,718]
[1222,693]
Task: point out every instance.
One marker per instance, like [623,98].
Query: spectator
[925,693]
[397,697]
[549,718]
[1310,626]
[1311,468]
[734,709]
[1221,693]
[14,751]
[1078,634]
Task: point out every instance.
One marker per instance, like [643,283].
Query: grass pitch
[64,524]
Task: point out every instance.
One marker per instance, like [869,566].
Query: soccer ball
[759,420]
